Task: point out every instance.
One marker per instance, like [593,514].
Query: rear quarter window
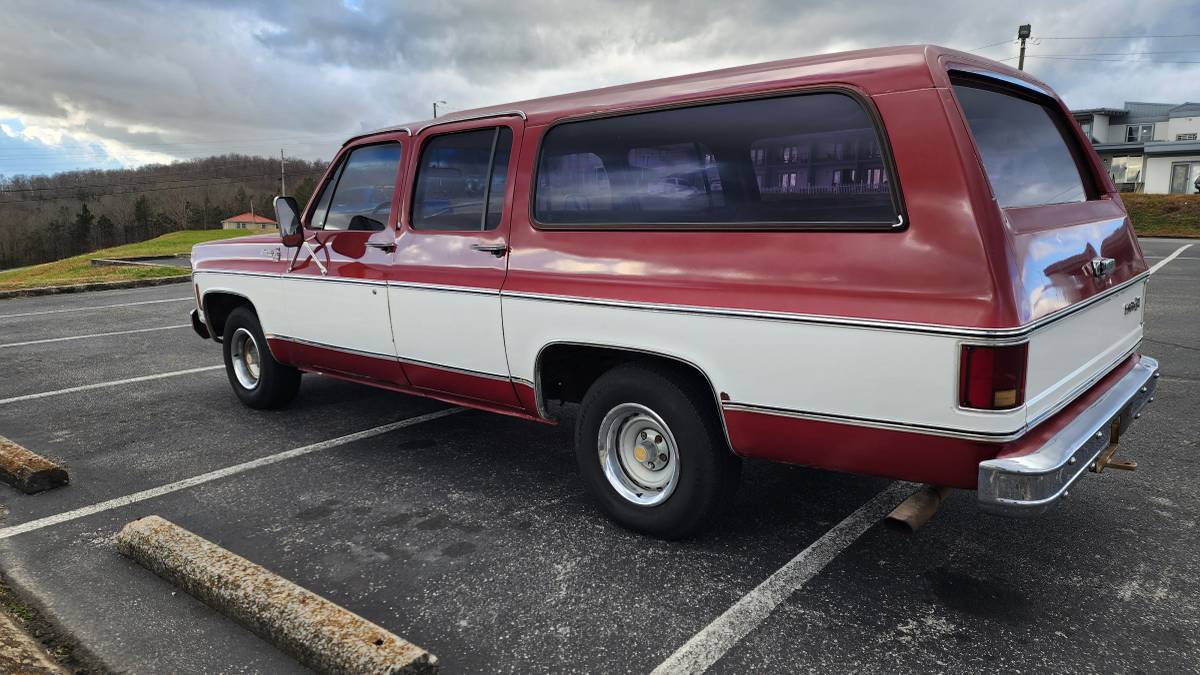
[803,160]
[1021,142]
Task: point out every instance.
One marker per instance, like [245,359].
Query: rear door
[451,260]
[1078,267]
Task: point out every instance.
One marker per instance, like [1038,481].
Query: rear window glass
[805,159]
[1024,151]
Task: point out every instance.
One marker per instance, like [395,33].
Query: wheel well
[566,371]
[217,308]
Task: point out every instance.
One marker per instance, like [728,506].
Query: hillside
[44,218]
[79,270]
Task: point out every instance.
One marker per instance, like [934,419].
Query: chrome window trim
[471,118]
[993,75]
[385,130]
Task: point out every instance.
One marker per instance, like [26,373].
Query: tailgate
[1076,271]
[1070,353]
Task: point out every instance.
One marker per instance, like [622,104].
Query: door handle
[497,250]
[385,246]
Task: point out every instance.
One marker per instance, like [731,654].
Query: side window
[359,197]
[791,160]
[461,179]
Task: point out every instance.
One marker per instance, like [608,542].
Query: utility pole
[282,178]
[435,105]
[1023,32]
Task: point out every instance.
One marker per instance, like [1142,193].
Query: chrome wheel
[638,454]
[247,363]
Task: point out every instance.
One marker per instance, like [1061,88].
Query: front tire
[257,378]
[652,453]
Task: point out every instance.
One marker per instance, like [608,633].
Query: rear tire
[257,378]
[652,453]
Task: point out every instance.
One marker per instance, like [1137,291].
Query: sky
[110,84]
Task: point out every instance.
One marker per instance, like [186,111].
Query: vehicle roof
[874,71]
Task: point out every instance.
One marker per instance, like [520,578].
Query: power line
[1116,37]
[135,183]
[994,44]
[1074,58]
[216,182]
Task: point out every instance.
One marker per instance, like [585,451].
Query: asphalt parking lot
[469,535]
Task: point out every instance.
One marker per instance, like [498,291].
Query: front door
[1179,178]
[336,290]
[451,260]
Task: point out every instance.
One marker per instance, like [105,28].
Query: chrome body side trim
[879,324]
[322,345]
[934,329]
[734,406]
[1027,485]
[389,357]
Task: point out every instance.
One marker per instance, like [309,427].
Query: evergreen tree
[82,230]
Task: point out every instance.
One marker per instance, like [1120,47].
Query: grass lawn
[78,270]
[1164,215]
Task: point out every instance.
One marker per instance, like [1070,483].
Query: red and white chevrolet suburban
[904,262]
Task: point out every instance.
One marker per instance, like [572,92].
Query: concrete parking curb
[317,632]
[20,653]
[28,471]
[98,286]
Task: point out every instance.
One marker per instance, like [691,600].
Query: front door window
[360,195]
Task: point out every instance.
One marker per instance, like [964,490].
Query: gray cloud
[188,78]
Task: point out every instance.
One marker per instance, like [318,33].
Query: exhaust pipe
[915,511]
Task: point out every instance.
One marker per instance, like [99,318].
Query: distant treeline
[45,218]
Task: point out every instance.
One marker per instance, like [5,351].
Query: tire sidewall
[260,395]
[698,452]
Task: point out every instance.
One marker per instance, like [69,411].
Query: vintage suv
[905,262]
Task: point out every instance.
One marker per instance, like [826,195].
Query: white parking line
[84,309]
[186,483]
[92,335]
[1169,258]
[710,644]
[113,383]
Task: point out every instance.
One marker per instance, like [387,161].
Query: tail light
[992,378]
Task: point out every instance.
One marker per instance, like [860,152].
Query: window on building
[725,163]
[1125,169]
[1024,151]
[461,180]
[1185,137]
[1086,128]
[1139,133]
[359,196]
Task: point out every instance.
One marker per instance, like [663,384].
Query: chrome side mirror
[287,214]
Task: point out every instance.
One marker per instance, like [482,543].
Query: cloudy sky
[121,83]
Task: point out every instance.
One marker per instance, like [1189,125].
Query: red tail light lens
[992,378]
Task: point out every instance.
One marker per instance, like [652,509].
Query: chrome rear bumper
[1028,484]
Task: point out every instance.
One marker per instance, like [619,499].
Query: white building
[1147,147]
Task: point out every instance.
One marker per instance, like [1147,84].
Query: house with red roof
[247,221]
